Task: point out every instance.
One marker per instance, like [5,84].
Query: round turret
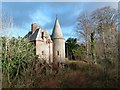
[58,43]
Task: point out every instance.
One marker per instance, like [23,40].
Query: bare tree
[105,22]
[99,28]
[84,28]
[6,23]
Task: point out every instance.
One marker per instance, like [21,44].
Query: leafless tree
[105,22]
[6,23]
[84,28]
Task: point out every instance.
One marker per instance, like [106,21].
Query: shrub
[17,55]
[73,79]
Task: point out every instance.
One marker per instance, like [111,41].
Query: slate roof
[57,32]
[37,34]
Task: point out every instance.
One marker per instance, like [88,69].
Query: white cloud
[40,18]
[77,12]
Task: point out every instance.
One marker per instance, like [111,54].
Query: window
[42,34]
[47,41]
[42,52]
[58,53]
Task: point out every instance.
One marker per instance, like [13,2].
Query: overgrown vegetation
[17,55]
[74,75]
[95,63]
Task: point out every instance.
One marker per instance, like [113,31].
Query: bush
[17,56]
[73,79]
[95,75]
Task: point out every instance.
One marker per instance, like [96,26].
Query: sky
[44,14]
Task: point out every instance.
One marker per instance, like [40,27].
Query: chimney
[34,26]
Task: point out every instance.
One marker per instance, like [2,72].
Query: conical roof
[57,32]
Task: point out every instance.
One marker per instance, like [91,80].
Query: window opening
[58,53]
[42,34]
[42,52]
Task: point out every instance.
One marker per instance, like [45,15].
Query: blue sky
[26,13]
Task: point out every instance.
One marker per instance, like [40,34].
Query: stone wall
[59,50]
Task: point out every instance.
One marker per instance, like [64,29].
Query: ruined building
[51,49]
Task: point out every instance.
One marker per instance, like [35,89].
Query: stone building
[51,49]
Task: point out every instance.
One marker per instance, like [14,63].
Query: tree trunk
[93,49]
[104,44]
[87,46]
